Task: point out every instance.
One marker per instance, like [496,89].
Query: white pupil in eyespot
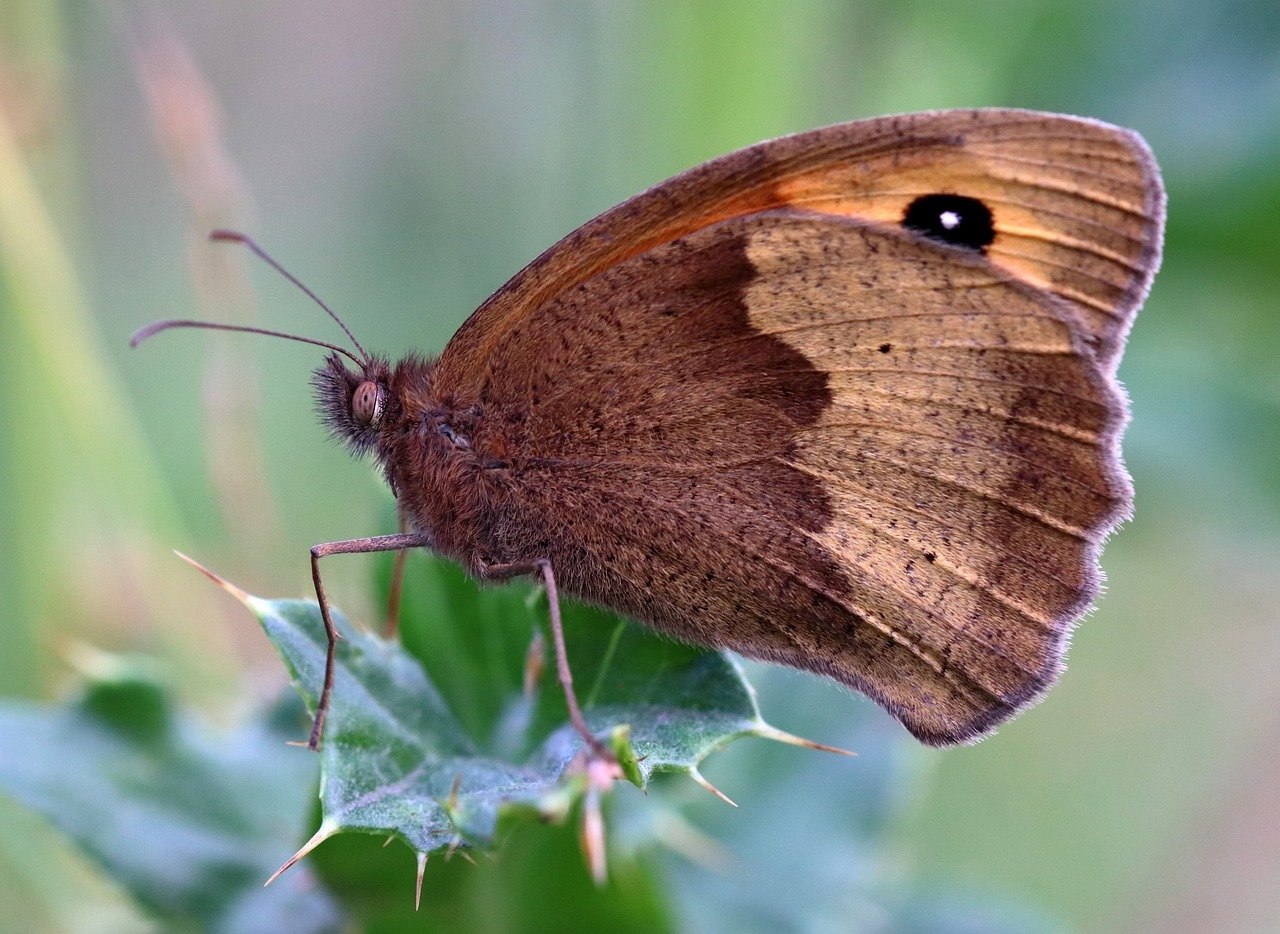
[366,404]
[950,220]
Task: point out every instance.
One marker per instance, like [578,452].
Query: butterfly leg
[352,546]
[542,566]
[397,588]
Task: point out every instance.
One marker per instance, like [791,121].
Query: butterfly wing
[1078,206]
[822,439]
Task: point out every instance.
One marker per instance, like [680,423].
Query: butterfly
[844,400]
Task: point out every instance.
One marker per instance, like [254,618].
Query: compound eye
[366,403]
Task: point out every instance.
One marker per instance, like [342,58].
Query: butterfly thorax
[442,490]
[425,443]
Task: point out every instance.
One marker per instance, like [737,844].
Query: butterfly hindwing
[826,443]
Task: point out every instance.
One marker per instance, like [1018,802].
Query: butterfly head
[355,404]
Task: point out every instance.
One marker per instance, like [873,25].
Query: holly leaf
[187,820]
[442,767]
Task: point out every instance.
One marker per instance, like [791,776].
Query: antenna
[155,327]
[235,237]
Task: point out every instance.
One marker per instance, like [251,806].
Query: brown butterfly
[844,400]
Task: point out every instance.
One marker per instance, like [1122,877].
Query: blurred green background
[404,158]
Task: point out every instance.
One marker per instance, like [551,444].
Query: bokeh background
[404,158]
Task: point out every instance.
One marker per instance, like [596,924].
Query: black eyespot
[953,219]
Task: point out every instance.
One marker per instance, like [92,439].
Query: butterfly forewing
[1078,207]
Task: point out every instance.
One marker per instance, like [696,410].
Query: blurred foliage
[404,159]
[189,823]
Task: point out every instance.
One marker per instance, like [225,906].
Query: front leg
[351,546]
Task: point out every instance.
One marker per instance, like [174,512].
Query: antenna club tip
[145,332]
[224,235]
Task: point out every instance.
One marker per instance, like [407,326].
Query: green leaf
[189,822]
[397,759]
[821,832]
[534,882]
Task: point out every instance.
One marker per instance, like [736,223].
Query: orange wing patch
[1073,206]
